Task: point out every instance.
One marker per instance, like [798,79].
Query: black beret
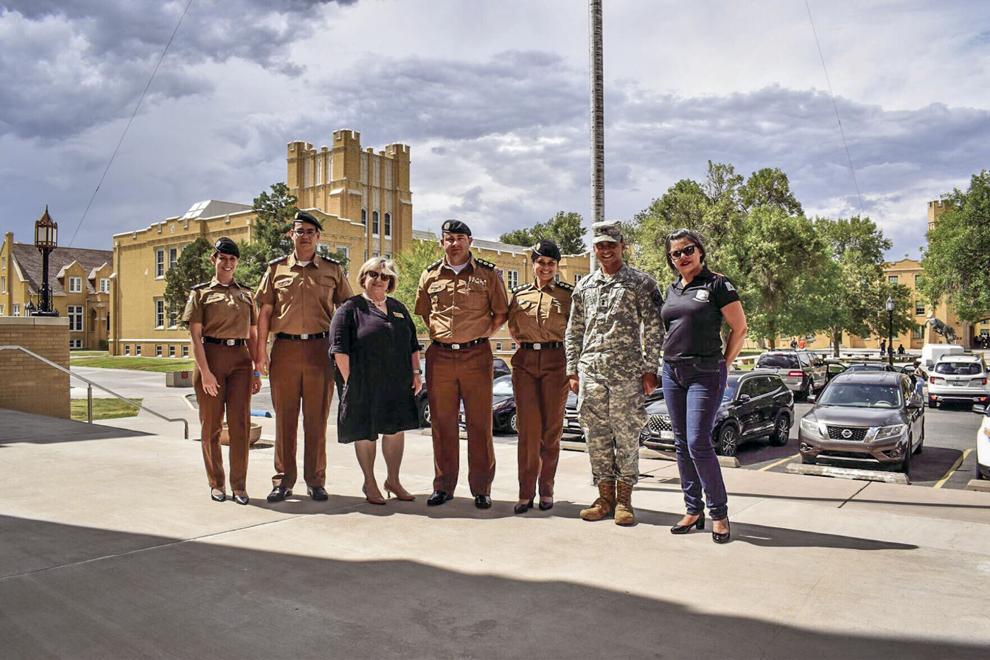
[225,245]
[302,216]
[545,248]
[455,227]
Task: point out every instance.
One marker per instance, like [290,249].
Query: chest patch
[701,295]
[477,281]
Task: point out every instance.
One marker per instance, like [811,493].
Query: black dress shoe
[522,507]
[439,497]
[278,494]
[483,501]
[241,499]
[545,506]
[723,538]
[318,493]
[684,529]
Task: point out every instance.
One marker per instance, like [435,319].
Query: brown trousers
[300,369]
[452,377]
[539,382]
[232,367]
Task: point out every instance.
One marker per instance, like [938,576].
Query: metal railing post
[89,402]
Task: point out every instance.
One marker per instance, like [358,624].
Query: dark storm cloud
[67,66]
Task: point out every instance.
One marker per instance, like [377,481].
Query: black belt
[315,335]
[542,345]
[225,342]
[463,345]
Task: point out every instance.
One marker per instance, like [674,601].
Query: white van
[932,353]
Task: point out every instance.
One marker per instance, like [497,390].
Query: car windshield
[502,386]
[731,386]
[958,368]
[778,361]
[860,395]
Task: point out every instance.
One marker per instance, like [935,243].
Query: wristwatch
[417,371]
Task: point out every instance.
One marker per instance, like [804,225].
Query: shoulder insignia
[201,285]
[279,260]
[519,288]
[485,264]
[566,286]
[330,259]
[435,264]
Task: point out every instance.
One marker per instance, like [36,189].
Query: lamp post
[46,240]
[890,331]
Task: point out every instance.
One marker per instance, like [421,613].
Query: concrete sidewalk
[111,547]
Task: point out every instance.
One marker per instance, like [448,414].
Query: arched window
[374,223]
[388,225]
[364,216]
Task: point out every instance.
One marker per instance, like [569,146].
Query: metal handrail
[89,390]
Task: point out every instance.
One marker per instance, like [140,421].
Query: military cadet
[613,344]
[463,301]
[223,324]
[298,294]
[538,314]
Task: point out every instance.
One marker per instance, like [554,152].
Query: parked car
[803,372]
[983,444]
[869,366]
[872,417]
[756,404]
[932,353]
[499,369]
[958,378]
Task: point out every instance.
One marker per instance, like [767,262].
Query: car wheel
[424,413]
[781,430]
[727,440]
[921,441]
[512,423]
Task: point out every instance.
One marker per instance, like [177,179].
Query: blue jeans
[693,393]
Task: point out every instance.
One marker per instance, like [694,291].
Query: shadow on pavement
[18,427]
[147,596]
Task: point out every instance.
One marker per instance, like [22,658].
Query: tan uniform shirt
[303,297]
[458,307]
[226,312]
[540,315]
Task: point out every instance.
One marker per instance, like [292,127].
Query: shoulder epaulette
[199,286]
[519,288]
[566,285]
[434,264]
[330,259]
[275,261]
[486,264]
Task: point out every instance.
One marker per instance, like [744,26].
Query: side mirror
[743,398]
[916,401]
[979,408]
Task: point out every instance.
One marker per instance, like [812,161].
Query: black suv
[802,371]
[755,404]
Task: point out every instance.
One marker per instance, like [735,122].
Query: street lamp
[46,240]
[890,331]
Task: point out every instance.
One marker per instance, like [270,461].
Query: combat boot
[604,505]
[624,514]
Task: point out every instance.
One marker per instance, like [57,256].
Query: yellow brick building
[80,283]
[363,200]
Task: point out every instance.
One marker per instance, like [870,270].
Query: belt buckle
[537,346]
[230,342]
[304,336]
[456,347]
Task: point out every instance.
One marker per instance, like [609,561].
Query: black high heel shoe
[723,538]
[523,507]
[684,529]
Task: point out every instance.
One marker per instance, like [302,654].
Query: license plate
[666,435]
[959,384]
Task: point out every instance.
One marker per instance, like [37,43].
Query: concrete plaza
[110,547]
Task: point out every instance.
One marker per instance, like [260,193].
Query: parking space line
[780,462]
[955,466]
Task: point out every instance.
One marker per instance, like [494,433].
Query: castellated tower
[357,185]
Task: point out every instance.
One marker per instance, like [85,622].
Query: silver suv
[803,372]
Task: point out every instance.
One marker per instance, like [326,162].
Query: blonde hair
[380,265]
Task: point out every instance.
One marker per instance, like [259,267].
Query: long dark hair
[677,235]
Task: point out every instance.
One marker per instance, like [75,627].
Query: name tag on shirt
[701,295]
[398,315]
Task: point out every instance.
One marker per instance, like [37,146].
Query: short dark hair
[680,234]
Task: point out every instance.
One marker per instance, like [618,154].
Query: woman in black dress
[373,341]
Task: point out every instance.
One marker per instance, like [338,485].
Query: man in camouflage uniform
[613,343]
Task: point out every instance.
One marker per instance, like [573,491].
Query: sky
[492,97]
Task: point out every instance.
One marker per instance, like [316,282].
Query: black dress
[378,397]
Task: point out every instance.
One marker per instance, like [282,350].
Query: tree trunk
[836,342]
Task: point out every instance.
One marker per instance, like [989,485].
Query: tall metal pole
[597,117]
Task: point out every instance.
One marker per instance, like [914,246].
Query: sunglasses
[374,274]
[304,232]
[686,251]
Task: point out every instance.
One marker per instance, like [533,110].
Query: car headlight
[810,426]
[885,432]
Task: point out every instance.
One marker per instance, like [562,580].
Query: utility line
[835,107]
[129,122]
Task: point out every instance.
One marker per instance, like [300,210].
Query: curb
[849,473]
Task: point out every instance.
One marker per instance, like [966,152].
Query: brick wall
[27,384]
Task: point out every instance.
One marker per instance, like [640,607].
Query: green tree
[564,229]
[191,268]
[957,260]
[769,187]
[411,263]
[878,320]
[274,213]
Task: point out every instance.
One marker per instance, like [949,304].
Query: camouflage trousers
[612,414]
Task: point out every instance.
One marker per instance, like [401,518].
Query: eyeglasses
[373,274]
[686,251]
[304,232]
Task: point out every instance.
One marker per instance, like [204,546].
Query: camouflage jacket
[615,330]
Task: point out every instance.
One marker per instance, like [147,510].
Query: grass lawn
[103,409]
[102,360]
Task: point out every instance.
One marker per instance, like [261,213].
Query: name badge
[215,297]
[398,315]
[702,295]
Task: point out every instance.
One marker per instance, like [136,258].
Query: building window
[513,345]
[919,308]
[159,313]
[173,256]
[1,310]
[388,224]
[388,255]
[918,332]
[498,346]
[374,223]
[127,349]
[375,253]
[185,351]
[892,279]
[159,263]
[344,250]
[75,343]
[3,284]
[75,318]
[158,350]
[171,350]
[513,278]
[364,216]
[16,309]
[104,285]
[75,284]
[137,349]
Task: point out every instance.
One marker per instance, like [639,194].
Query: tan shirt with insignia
[226,312]
[458,307]
[303,297]
[540,315]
